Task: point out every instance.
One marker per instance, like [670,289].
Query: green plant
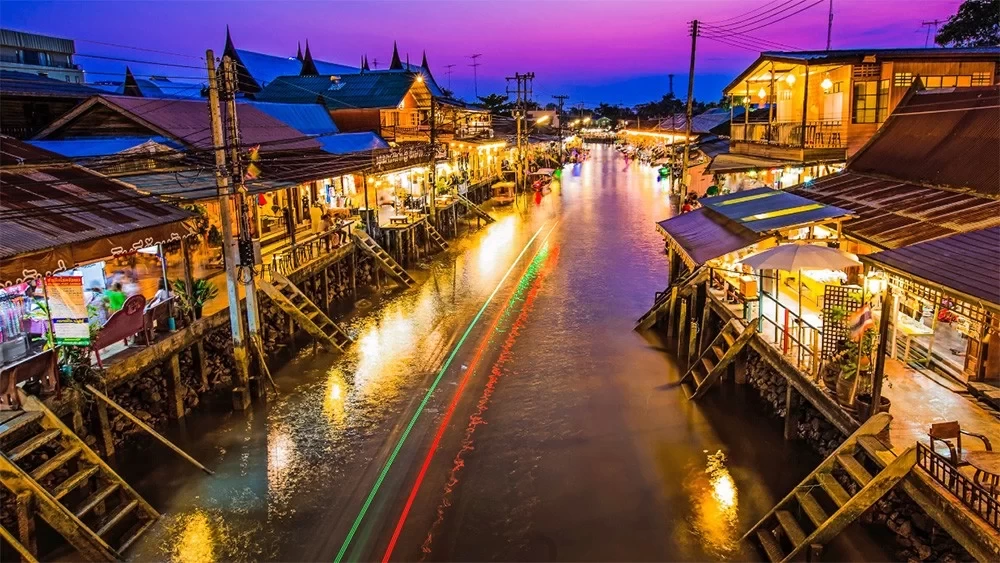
[202,292]
[214,236]
[200,222]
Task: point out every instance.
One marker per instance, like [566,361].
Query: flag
[859,321]
[253,171]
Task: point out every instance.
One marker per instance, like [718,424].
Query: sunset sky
[618,51]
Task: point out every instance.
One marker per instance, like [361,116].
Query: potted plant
[193,301]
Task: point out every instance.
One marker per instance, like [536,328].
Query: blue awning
[344,143]
[765,210]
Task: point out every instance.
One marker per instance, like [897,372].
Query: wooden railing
[971,495]
[818,134]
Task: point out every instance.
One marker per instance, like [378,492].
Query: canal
[501,410]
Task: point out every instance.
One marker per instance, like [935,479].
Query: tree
[496,104]
[976,24]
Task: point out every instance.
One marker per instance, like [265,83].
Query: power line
[747,13]
[928,24]
[138,61]
[139,49]
[769,19]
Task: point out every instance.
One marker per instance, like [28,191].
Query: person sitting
[162,294]
[115,297]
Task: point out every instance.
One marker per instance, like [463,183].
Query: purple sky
[593,50]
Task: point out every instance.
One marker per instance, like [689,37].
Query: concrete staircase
[382,258]
[55,475]
[292,301]
[820,507]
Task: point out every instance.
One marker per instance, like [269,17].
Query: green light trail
[424,401]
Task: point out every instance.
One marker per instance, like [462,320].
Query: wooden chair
[130,320]
[157,317]
[949,435]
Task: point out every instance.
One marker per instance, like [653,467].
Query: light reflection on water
[715,499]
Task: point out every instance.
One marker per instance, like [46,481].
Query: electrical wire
[139,49]
[747,13]
[137,61]
[768,20]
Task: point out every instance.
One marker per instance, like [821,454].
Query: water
[553,432]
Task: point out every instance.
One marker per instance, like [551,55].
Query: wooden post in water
[682,324]
[175,389]
[106,438]
[883,342]
[201,363]
[791,419]
[25,508]
[705,317]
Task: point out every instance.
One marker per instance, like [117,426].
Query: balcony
[792,140]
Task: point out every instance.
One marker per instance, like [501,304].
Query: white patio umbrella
[798,257]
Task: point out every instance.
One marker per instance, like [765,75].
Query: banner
[68,308]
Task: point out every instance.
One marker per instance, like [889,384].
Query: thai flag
[859,321]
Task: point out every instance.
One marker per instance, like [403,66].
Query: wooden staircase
[435,236]
[475,208]
[306,314]
[382,258]
[666,298]
[70,486]
[820,507]
[716,357]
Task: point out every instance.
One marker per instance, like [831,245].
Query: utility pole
[433,176]
[523,93]
[927,38]
[690,111]
[562,148]
[829,27]
[243,213]
[241,390]
[449,67]
[475,74]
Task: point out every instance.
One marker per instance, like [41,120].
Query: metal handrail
[971,495]
[806,357]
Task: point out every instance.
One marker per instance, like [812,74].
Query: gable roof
[187,121]
[366,90]
[944,137]
[968,263]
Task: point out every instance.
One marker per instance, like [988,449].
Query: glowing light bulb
[827,83]
[790,79]
[762,93]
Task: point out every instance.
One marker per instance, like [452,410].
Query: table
[910,328]
[399,220]
[987,466]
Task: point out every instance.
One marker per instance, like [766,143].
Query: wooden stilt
[105,436]
[326,289]
[201,363]
[26,522]
[682,326]
[791,412]
[175,389]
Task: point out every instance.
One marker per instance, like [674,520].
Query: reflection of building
[824,105]
[41,55]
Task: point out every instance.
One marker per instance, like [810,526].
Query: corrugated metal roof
[78,148]
[13,83]
[344,143]
[944,137]
[49,206]
[334,68]
[36,41]
[366,90]
[701,123]
[265,68]
[15,153]
[764,210]
[892,214]
[700,237]
[731,162]
[968,262]
[192,186]
[188,121]
[311,119]
[153,88]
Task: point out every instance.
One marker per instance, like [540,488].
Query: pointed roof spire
[229,41]
[298,54]
[396,63]
[407,61]
[308,66]
[423,63]
[131,85]
[364,65]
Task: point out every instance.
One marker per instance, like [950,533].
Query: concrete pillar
[175,389]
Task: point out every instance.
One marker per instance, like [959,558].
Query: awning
[192,186]
[57,216]
[698,237]
[765,210]
[730,163]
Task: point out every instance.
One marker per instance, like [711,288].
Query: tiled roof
[968,263]
[366,90]
[944,137]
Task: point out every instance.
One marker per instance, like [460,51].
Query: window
[883,100]
[9,54]
[980,79]
[31,57]
[902,79]
[865,101]
[953,81]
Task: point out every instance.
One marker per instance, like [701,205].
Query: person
[115,297]
[161,295]
[97,304]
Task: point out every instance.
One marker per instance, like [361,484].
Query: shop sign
[402,157]
[68,310]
